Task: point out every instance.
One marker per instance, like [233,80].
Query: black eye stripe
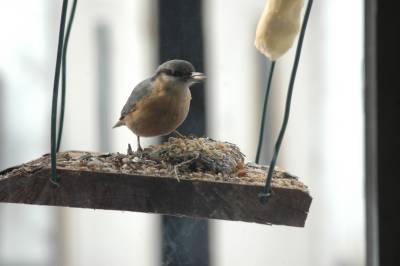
[175,73]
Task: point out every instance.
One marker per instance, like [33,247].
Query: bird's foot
[130,151]
[139,151]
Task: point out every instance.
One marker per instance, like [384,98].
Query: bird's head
[178,73]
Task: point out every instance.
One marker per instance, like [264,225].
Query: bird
[158,105]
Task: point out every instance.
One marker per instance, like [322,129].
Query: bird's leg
[139,148]
[130,152]
[179,134]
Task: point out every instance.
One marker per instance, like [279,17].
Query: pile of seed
[182,158]
[177,156]
[198,155]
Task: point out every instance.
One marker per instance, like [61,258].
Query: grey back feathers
[142,90]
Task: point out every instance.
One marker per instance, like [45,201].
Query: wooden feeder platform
[199,178]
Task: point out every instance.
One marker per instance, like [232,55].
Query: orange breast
[160,113]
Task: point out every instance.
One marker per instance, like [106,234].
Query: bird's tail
[119,123]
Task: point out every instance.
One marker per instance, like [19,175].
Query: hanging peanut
[278,27]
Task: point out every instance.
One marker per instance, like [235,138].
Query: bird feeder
[194,177]
[189,176]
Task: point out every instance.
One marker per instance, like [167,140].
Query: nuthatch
[160,104]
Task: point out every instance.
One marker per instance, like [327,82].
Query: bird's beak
[198,76]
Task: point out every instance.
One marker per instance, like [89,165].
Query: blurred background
[113,46]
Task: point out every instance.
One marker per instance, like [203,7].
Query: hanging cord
[64,73]
[265,108]
[61,56]
[266,192]
[54,178]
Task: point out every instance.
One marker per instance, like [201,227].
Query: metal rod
[265,110]
[64,73]
[266,192]
[54,178]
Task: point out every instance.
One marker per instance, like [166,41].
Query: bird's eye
[177,74]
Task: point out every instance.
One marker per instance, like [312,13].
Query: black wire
[64,73]
[54,178]
[265,193]
[265,109]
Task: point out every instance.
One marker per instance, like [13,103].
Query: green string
[266,192]
[61,59]
[64,73]
[54,178]
[265,109]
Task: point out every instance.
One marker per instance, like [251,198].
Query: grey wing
[142,90]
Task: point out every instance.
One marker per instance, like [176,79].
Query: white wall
[324,140]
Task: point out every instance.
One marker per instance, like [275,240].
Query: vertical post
[382,133]
[184,240]
[181,37]
[372,249]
